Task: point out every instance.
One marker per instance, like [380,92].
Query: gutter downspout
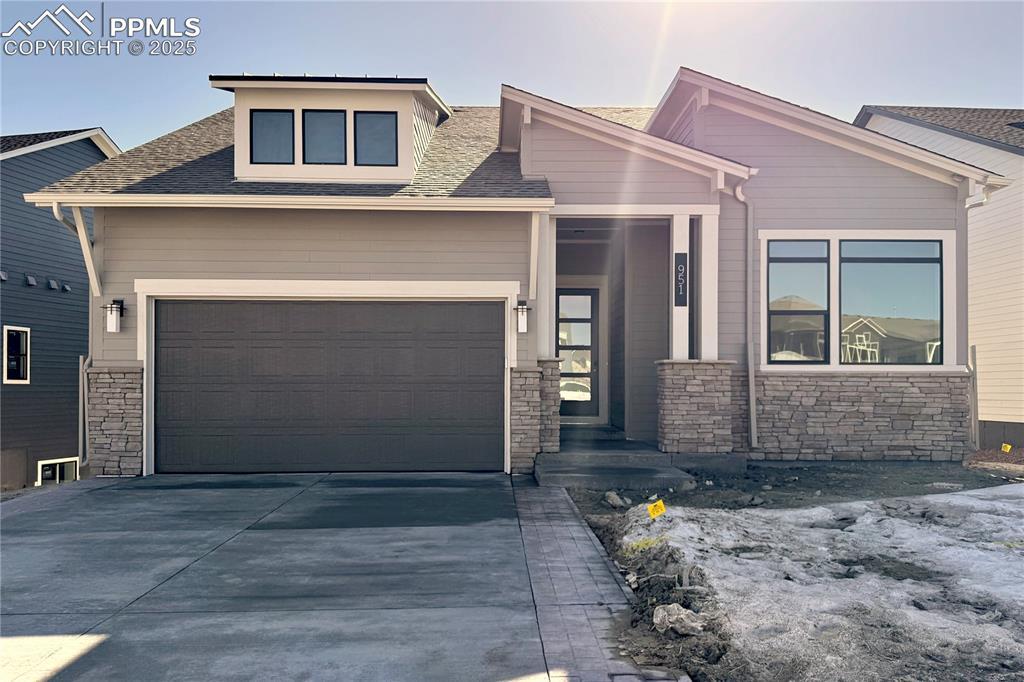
[751,355]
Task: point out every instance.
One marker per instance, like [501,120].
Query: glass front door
[577,349]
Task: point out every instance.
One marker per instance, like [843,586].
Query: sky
[832,57]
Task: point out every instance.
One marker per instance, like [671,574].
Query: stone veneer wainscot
[115,421]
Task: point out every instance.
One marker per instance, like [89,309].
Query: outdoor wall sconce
[521,311]
[114,311]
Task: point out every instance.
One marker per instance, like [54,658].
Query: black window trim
[895,260]
[825,314]
[27,331]
[355,138]
[344,161]
[271,163]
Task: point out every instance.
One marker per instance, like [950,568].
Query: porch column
[679,316]
[545,303]
[708,289]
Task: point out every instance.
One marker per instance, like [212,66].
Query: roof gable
[28,143]
[612,125]
[814,124]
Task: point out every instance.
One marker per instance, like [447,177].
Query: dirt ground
[892,572]
[806,485]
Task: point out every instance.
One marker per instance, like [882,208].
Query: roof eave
[98,136]
[867,111]
[393,203]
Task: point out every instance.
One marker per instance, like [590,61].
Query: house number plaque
[682,274]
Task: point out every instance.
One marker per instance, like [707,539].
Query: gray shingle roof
[633,117]
[8,143]
[462,160]
[991,125]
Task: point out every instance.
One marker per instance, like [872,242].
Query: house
[349,274]
[44,303]
[992,138]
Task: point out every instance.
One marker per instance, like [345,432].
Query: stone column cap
[695,362]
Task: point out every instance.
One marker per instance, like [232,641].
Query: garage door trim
[150,290]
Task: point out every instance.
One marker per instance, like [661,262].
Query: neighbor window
[272,136]
[376,138]
[890,296]
[16,355]
[323,136]
[798,301]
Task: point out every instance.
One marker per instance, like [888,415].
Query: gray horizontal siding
[303,245]
[804,183]
[581,170]
[42,417]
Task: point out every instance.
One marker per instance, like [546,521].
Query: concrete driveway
[286,577]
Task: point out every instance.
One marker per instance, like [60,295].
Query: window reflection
[575,389]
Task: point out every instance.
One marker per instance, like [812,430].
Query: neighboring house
[991,138]
[44,301]
[344,274]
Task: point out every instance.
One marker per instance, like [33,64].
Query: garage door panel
[329,386]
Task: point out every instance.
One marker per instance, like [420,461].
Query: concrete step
[584,433]
[590,457]
[605,477]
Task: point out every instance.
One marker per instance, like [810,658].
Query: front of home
[347,274]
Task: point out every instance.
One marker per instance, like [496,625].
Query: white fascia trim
[97,135]
[833,237]
[636,140]
[149,290]
[274,201]
[836,129]
[632,210]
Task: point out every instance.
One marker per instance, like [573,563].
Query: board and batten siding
[995,251]
[271,244]
[42,417]
[804,183]
[581,170]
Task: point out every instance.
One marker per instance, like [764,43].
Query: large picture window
[271,136]
[798,294]
[376,138]
[890,302]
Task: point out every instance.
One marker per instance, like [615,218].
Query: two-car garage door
[260,386]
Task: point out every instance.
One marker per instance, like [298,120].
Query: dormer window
[376,138]
[331,129]
[323,136]
[272,136]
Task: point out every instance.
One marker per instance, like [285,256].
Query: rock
[653,497]
[766,487]
[758,500]
[687,486]
[612,499]
[792,479]
[629,502]
[709,483]
[631,580]
[817,493]
[672,490]
[743,499]
[680,620]
[945,485]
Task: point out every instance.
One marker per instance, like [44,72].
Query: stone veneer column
[695,406]
[115,420]
[526,417]
[550,402]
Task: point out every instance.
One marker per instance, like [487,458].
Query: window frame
[252,161]
[28,354]
[344,135]
[355,139]
[826,314]
[939,260]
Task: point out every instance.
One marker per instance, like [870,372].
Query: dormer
[331,128]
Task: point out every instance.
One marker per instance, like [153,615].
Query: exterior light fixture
[521,311]
[114,311]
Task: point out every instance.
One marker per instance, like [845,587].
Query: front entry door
[577,348]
